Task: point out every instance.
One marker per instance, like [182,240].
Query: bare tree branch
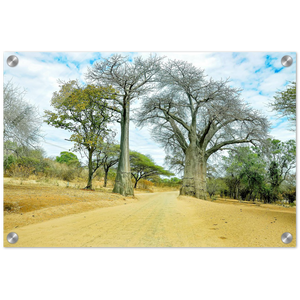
[131,79]
[201,117]
[21,120]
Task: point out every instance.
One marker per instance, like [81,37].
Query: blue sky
[259,74]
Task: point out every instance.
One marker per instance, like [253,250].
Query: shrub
[145,184]
[290,195]
[20,171]
[62,171]
[8,162]
[67,174]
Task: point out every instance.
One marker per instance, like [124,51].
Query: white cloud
[282,132]
[275,82]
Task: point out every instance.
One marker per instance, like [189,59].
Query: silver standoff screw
[12,238]
[286,237]
[12,60]
[286,61]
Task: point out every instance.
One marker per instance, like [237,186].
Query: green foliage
[245,172]
[68,157]
[143,166]
[23,167]
[280,158]
[285,103]
[211,186]
[8,161]
[173,182]
[260,171]
[30,162]
[290,195]
[274,174]
[82,110]
[288,188]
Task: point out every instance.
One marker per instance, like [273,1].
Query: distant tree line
[24,162]
[265,173]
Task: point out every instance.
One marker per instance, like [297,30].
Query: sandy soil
[162,220]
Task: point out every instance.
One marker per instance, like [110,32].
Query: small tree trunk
[105,177]
[123,184]
[194,180]
[90,165]
[135,184]
[236,192]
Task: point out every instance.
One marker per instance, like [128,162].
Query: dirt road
[163,220]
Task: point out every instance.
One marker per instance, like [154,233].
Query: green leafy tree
[8,161]
[280,158]
[246,170]
[285,103]
[288,188]
[68,157]
[17,155]
[143,166]
[260,170]
[211,186]
[82,110]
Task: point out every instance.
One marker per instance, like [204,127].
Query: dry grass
[34,202]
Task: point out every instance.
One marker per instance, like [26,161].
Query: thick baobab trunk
[194,180]
[123,184]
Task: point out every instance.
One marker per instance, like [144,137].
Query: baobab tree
[132,79]
[201,117]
